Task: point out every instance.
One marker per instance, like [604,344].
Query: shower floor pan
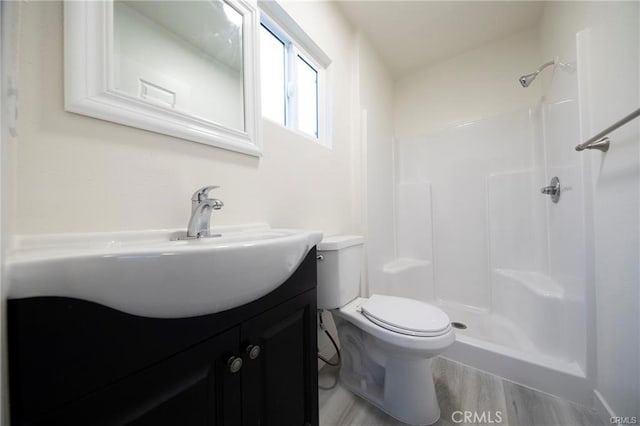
[496,345]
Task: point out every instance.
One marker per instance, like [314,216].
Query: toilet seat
[406,316]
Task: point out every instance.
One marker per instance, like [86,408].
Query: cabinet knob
[253,351]
[234,363]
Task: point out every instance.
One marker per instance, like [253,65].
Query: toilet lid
[406,316]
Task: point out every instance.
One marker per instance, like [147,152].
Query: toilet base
[399,384]
[419,407]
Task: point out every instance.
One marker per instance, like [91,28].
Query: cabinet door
[280,385]
[193,388]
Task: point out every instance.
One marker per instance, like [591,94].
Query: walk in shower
[476,235]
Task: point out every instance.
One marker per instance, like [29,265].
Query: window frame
[298,44]
[278,37]
[297,54]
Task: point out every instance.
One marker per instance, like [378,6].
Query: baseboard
[603,408]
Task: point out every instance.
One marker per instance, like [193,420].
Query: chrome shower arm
[546,64]
[526,80]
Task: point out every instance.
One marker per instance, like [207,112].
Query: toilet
[386,342]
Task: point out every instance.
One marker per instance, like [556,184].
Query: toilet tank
[339,266]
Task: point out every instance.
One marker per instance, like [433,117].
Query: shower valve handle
[553,190]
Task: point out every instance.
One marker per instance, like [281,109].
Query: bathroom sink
[154,274]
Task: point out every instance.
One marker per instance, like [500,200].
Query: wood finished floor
[459,388]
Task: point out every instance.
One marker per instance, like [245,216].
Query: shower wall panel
[566,219]
[411,274]
[499,244]
[456,162]
[517,221]
[413,205]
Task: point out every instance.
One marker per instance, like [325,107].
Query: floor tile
[459,389]
[463,389]
[527,407]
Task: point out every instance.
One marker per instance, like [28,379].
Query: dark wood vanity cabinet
[252,365]
[278,386]
[191,388]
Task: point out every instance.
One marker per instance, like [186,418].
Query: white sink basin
[151,274]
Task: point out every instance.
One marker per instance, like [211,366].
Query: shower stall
[483,232]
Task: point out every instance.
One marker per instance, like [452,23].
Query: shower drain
[458,325]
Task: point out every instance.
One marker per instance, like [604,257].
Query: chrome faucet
[201,208]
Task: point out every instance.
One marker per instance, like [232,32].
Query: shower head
[527,79]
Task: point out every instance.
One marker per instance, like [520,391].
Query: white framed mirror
[182,68]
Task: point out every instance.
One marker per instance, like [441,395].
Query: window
[272,64]
[294,73]
[307,97]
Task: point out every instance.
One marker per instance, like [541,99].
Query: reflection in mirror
[182,55]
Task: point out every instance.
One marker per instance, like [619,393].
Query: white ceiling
[410,35]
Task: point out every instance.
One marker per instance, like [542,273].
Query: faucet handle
[202,193]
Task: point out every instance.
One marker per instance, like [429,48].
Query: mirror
[182,55]
[183,68]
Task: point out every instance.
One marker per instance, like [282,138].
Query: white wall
[376,103]
[560,22]
[79,174]
[479,83]
[614,93]
[371,115]
[609,91]
[9,12]
[3,136]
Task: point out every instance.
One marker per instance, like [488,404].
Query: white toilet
[386,342]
